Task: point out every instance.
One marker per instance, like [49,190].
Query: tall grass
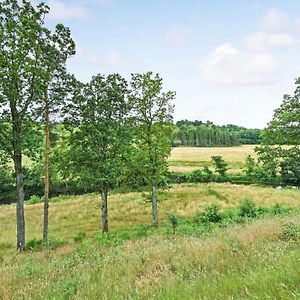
[240,262]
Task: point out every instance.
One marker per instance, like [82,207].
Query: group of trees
[280,149]
[110,126]
[199,134]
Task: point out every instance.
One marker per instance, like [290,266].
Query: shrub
[34,199]
[220,165]
[278,209]
[250,166]
[210,215]
[290,231]
[247,208]
[79,237]
[173,219]
[34,245]
[201,175]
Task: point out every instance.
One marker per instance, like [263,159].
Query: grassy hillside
[70,215]
[253,258]
[186,159]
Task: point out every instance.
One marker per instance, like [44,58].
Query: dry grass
[83,213]
[186,159]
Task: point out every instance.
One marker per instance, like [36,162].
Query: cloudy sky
[229,61]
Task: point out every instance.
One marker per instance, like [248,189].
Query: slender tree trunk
[20,190]
[104,211]
[47,152]
[154,203]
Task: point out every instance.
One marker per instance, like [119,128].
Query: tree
[29,55]
[280,151]
[220,165]
[59,46]
[99,137]
[22,37]
[284,128]
[152,115]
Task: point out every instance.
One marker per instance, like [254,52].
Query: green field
[249,260]
[186,159]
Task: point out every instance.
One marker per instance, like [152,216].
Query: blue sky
[229,61]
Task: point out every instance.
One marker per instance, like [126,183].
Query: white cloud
[228,65]
[178,35]
[262,42]
[60,11]
[275,20]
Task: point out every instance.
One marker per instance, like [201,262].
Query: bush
[278,209]
[79,237]
[34,199]
[210,215]
[247,208]
[290,231]
[220,165]
[173,219]
[176,177]
[201,175]
[37,244]
[34,245]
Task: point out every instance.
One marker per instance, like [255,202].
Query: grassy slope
[83,213]
[186,159]
[242,261]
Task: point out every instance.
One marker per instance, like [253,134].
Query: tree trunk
[154,204]
[47,152]
[20,196]
[104,211]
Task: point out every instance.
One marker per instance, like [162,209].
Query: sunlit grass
[186,159]
[240,262]
[83,213]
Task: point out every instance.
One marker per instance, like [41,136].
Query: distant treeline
[200,134]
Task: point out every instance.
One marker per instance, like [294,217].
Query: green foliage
[278,209]
[34,245]
[98,139]
[290,231]
[202,175]
[283,130]
[247,208]
[174,220]
[284,127]
[37,244]
[34,199]
[250,166]
[200,134]
[220,165]
[210,215]
[79,237]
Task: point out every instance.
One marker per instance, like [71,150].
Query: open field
[186,159]
[83,213]
[248,260]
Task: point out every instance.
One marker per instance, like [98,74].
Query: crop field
[186,159]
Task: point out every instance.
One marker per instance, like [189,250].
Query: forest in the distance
[207,134]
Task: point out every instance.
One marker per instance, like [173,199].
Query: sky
[229,61]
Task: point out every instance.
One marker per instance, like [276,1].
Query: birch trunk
[47,153]
[104,211]
[154,203]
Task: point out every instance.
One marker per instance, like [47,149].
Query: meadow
[187,159]
[248,258]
